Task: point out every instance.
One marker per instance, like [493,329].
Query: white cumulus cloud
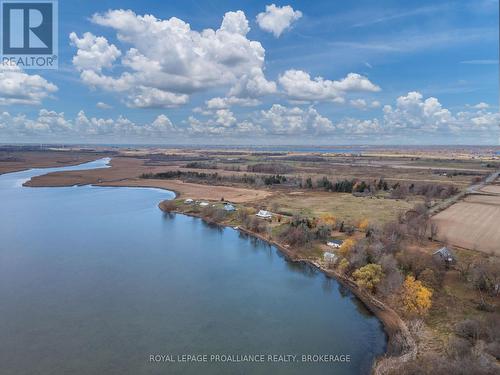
[299,86]
[277,19]
[166,61]
[18,87]
[102,105]
[227,102]
[294,120]
[49,124]
[94,53]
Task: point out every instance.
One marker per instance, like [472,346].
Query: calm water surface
[93,280]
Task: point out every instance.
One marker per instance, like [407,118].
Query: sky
[253,72]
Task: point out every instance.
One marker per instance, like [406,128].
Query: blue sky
[297,72]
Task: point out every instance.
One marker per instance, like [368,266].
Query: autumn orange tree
[328,219]
[369,276]
[415,297]
[346,247]
[363,224]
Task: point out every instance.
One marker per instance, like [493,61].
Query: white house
[188,201]
[204,204]
[229,207]
[335,243]
[264,214]
[329,257]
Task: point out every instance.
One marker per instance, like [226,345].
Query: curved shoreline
[394,327]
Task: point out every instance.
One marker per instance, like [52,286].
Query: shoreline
[33,160]
[394,326]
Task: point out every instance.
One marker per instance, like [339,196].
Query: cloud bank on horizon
[287,74]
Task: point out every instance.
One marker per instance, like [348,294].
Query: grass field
[343,206]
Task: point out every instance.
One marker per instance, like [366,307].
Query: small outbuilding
[188,201]
[445,255]
[204,204]
[335,243]
[264,214]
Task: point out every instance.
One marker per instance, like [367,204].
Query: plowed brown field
[473,223]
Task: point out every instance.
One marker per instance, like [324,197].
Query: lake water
[94,280]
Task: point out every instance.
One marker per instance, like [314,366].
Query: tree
[346,247]
[369,276]
[343,265]
[168,205]
[363,224]
[428,277]
[275,207]
[393,279]
[323,232]
[486,276]
[328,219]
[415,297]
[434,230]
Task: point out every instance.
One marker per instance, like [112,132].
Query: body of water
[95,280]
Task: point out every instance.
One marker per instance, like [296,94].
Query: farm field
[472,224]
[495,189]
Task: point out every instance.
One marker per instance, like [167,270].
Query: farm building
[188,201]
[264,214]
[203,204]
[445,255]
[335,243]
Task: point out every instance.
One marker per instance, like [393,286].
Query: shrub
[468,329]
[493,348]
[458,347]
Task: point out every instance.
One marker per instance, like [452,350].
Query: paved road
[474,189]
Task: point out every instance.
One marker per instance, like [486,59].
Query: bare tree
[434,230]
